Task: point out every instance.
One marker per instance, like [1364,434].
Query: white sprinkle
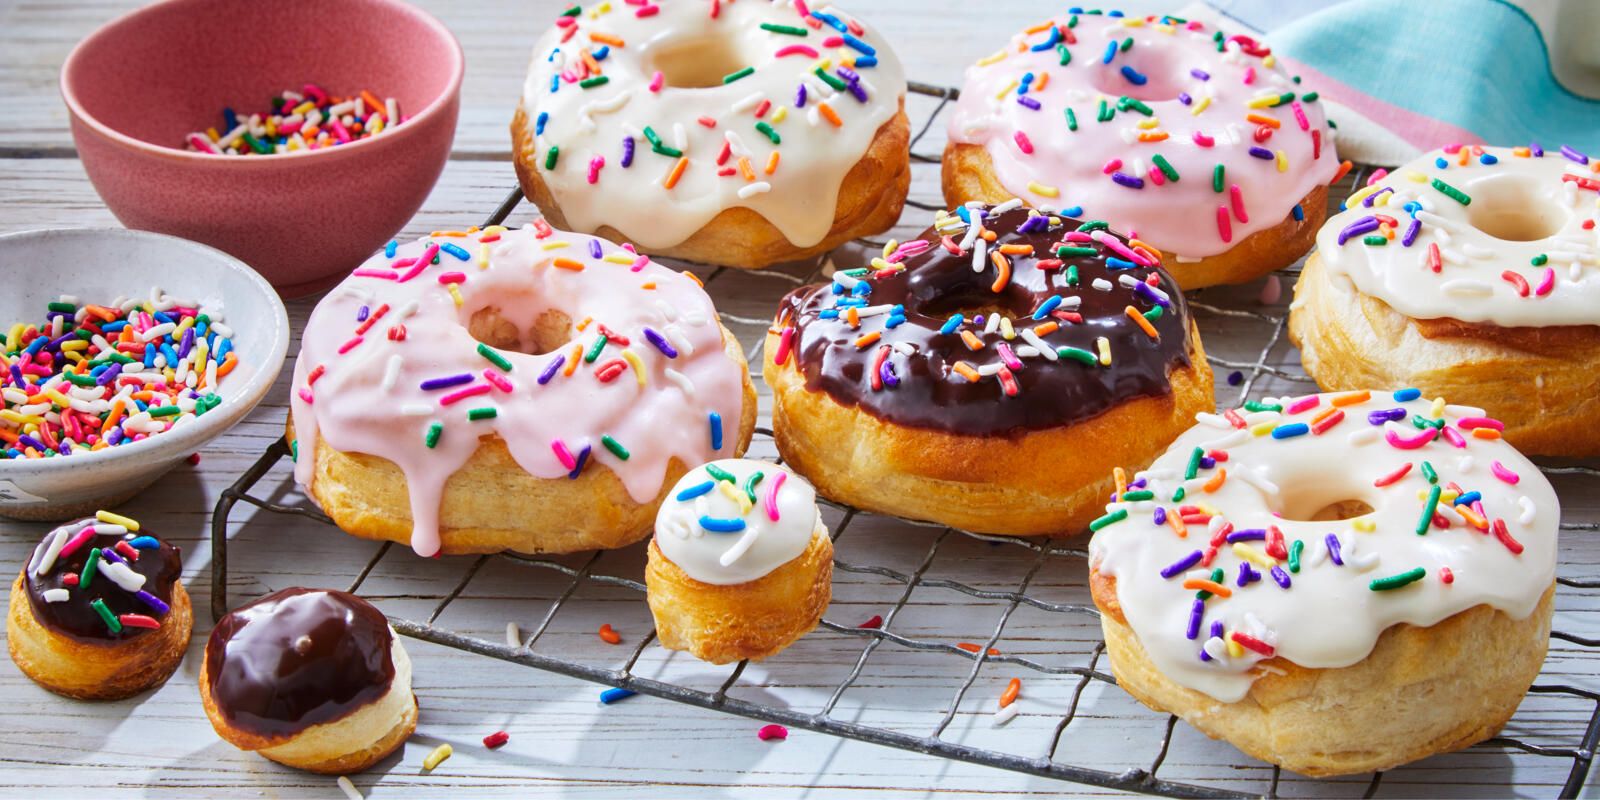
[980,254]
[1213,420]
[349,789]
[1216,648]
[1101,284]
[1465,464]
[1032,338]
[416,409]
[750,101]
[1464,286]
[740,547]
[992,324]
[513,635]
[1528,510]
[122,575]
[1267,487]
[750,190]
[681,381]
[58,541]
[675,335]
[1234,439]
[1005,715]
[1363,436]
[391,372]
[56,595]
[1013,203]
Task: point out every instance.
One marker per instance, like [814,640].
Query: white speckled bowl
[97,266]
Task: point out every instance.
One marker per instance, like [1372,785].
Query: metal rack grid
[1271,366]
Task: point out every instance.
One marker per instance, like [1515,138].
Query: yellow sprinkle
[1006,330]
[19,419]
[1270,61]
[889,246]
[1364,525]
[1266,101]
[554,245]
[1204,103]
[826,64]
[999,55]
[1147,124]
[1283,162]
[1042,190]
[1169,29]
[304,107]
[483,256]
[1416,177]
[117,519]
[736,496]
[637,364]
[75,344]
[1436,411]
[59,398]
[1361,194]
[618,258]
[437,757]
[1254,556]
[1104,346]
[1133,22]
[878,263]
[780,115]
[455,294]
[1001,95]
[186,324]
[1235,650]
[1262,429]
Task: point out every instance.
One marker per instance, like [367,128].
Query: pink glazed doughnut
[1196,143]
[531,390]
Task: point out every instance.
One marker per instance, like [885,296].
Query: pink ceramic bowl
[136,87]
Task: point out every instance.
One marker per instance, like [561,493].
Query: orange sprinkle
[1216,480]
[965,370]
[1261,119]
[1145,247]
[1047,328]
[1466,155]
[988,235]
[830,115]
[1149,330]
[1326,412]
[111,419]
[8,437]
[1522,152]
[1120,476]
[745,170]
[608,635]
[853,317]
[869,339]
[1004,266]
[1017,249]
[772,162]
[1471,517]
[676,173]
[972,648]
[567,263]
[1350,398]
[1153,136]
[373,103]
[1044,78]
[972,342]
[1176,522]
[605,38]
[648,285]
[1013,689]
[1203,585]
[1040,28]
[453,234]
[1344,169]
[693,277]
[588,61]
[228,364]
[1485,433]
[572,360]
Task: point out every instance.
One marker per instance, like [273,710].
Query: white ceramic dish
[97,266]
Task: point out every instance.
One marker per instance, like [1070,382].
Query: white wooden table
[562,740]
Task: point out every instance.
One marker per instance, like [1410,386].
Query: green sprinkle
[1073,251]
[1177,496]
[1216,577]
[1130,104]
[294,451]
[78,379]
[1106,112]
[163,411]
[206,403]
[750,484]
[1540,260]
[110,619]
[1094,225]
[1295,549]
[1375,240]
[614,446]
[788,30]
[743,73]
[572,12]
[494,357]
[1254,406]
[594,349]
[671,152]
[1109,519]
[431,438]
[1452,192]
[1141,494]
[550,157]
[256,144]
[1217,180]
[1127,44]
[1397,581]
[1066,55]
[1193,468]
[1072,275]
[837,84]
[90,567]
[1072,21]
[1153,314]
[1428,510]
[721,474]
[1286,97]
[65,308]
[1077,354]
[1309,97]
[1166,169]
[598,80]
[487,412]
[1427,472]
[651,136]
[769,132]
[1072,120]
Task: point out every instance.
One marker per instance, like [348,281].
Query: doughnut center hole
[699,63]
[1163,79]
[1321,504]
[1509,208]
[548,332]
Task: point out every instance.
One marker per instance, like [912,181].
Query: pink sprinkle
[1300,116]
[1079,236]
[833,41]
[594,168]
[1249,75]
[1236,199]
[1023,144]
[1470,423]
[796,50]
[1112,166]
[453,277]
[340,132]
[1203,140]
[656,80]
[350,345]
[1008,356]
[1453,436]
[768,732]
[785,344]
[563,454]
[1452,148]
[639,263]
[1397,441]
[1156,177]
[772,495]
[1224,227]
[1547,282]
[380,274]
[201,143]
[75,542]
[1504,474]
[709,122]
[1121,249]
[1309,401]
[1393,476]
[1377,175]
[422,263]
[498,380]
[471,391]
[647,11]
[305,395]
[800,6]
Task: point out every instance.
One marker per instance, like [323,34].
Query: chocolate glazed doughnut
[978,375]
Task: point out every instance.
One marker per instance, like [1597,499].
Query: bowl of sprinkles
[299,153]
[109,377]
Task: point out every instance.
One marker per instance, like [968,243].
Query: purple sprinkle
[977,321]
[187,344]
[1368,200]
[1201,74]
[1280,576]
[858,93]
[110,374]
[435,384]
[1386,415]
[1127,180]
[152,601]
[1412,229]
[550,371]
[1028,103]
[849,75]
[1182,564]
[627,152]
[1196,613]
[594,248]
[1250,535]
[800,96]
[1160,516]
[1247,574]
[16,375]
[1216,633]
[1261,152]
[1138,484]
[1207,462]
[1035,223]
[1143,289]
[1333,549]
[886,372]
[583,458]
[1361,226]
[32,442]
[660,342]
[361,315]
[1574,155]
[1184,98]
[1235,378]
[1538,152]
[114,436]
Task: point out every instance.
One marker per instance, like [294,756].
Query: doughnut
[1471,273]
[741,565]
[534,390]
[1201,145]
[99,612]
[1334,583]
[735,134]
[917,385]
[313,679]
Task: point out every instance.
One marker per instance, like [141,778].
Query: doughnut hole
[1165,78]
[1510,208]
[1321,500]
[696,63]
[548,331]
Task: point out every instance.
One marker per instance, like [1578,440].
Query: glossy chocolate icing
[938,283]
[76,617]
[297,658]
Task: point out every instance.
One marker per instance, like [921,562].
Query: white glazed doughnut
[649,121]
[604,361]
[736,520]
[1315,597]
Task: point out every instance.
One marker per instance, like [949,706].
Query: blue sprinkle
[1134,77]
[1291,430]
[866,61]
[1407,395]
[610,696]
[1441,163]
[716,525]
[828,313]
[863,47]
[456,250]
[388,249]
[951,324]
[1487,159]
[1112,262]
[1047,306]
[695,491]
[964,214]
[716,430]
[831,21]
[1075,211]
[555,83]
[1469,498]
[601,53]
[1299,213]
[894,321]
[1111,52]
[144,543]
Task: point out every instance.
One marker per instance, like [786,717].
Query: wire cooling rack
[1244,334]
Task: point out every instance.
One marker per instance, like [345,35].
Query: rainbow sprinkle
[310,119]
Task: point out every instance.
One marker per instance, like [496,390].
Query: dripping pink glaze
[1177,216]
[352,412]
